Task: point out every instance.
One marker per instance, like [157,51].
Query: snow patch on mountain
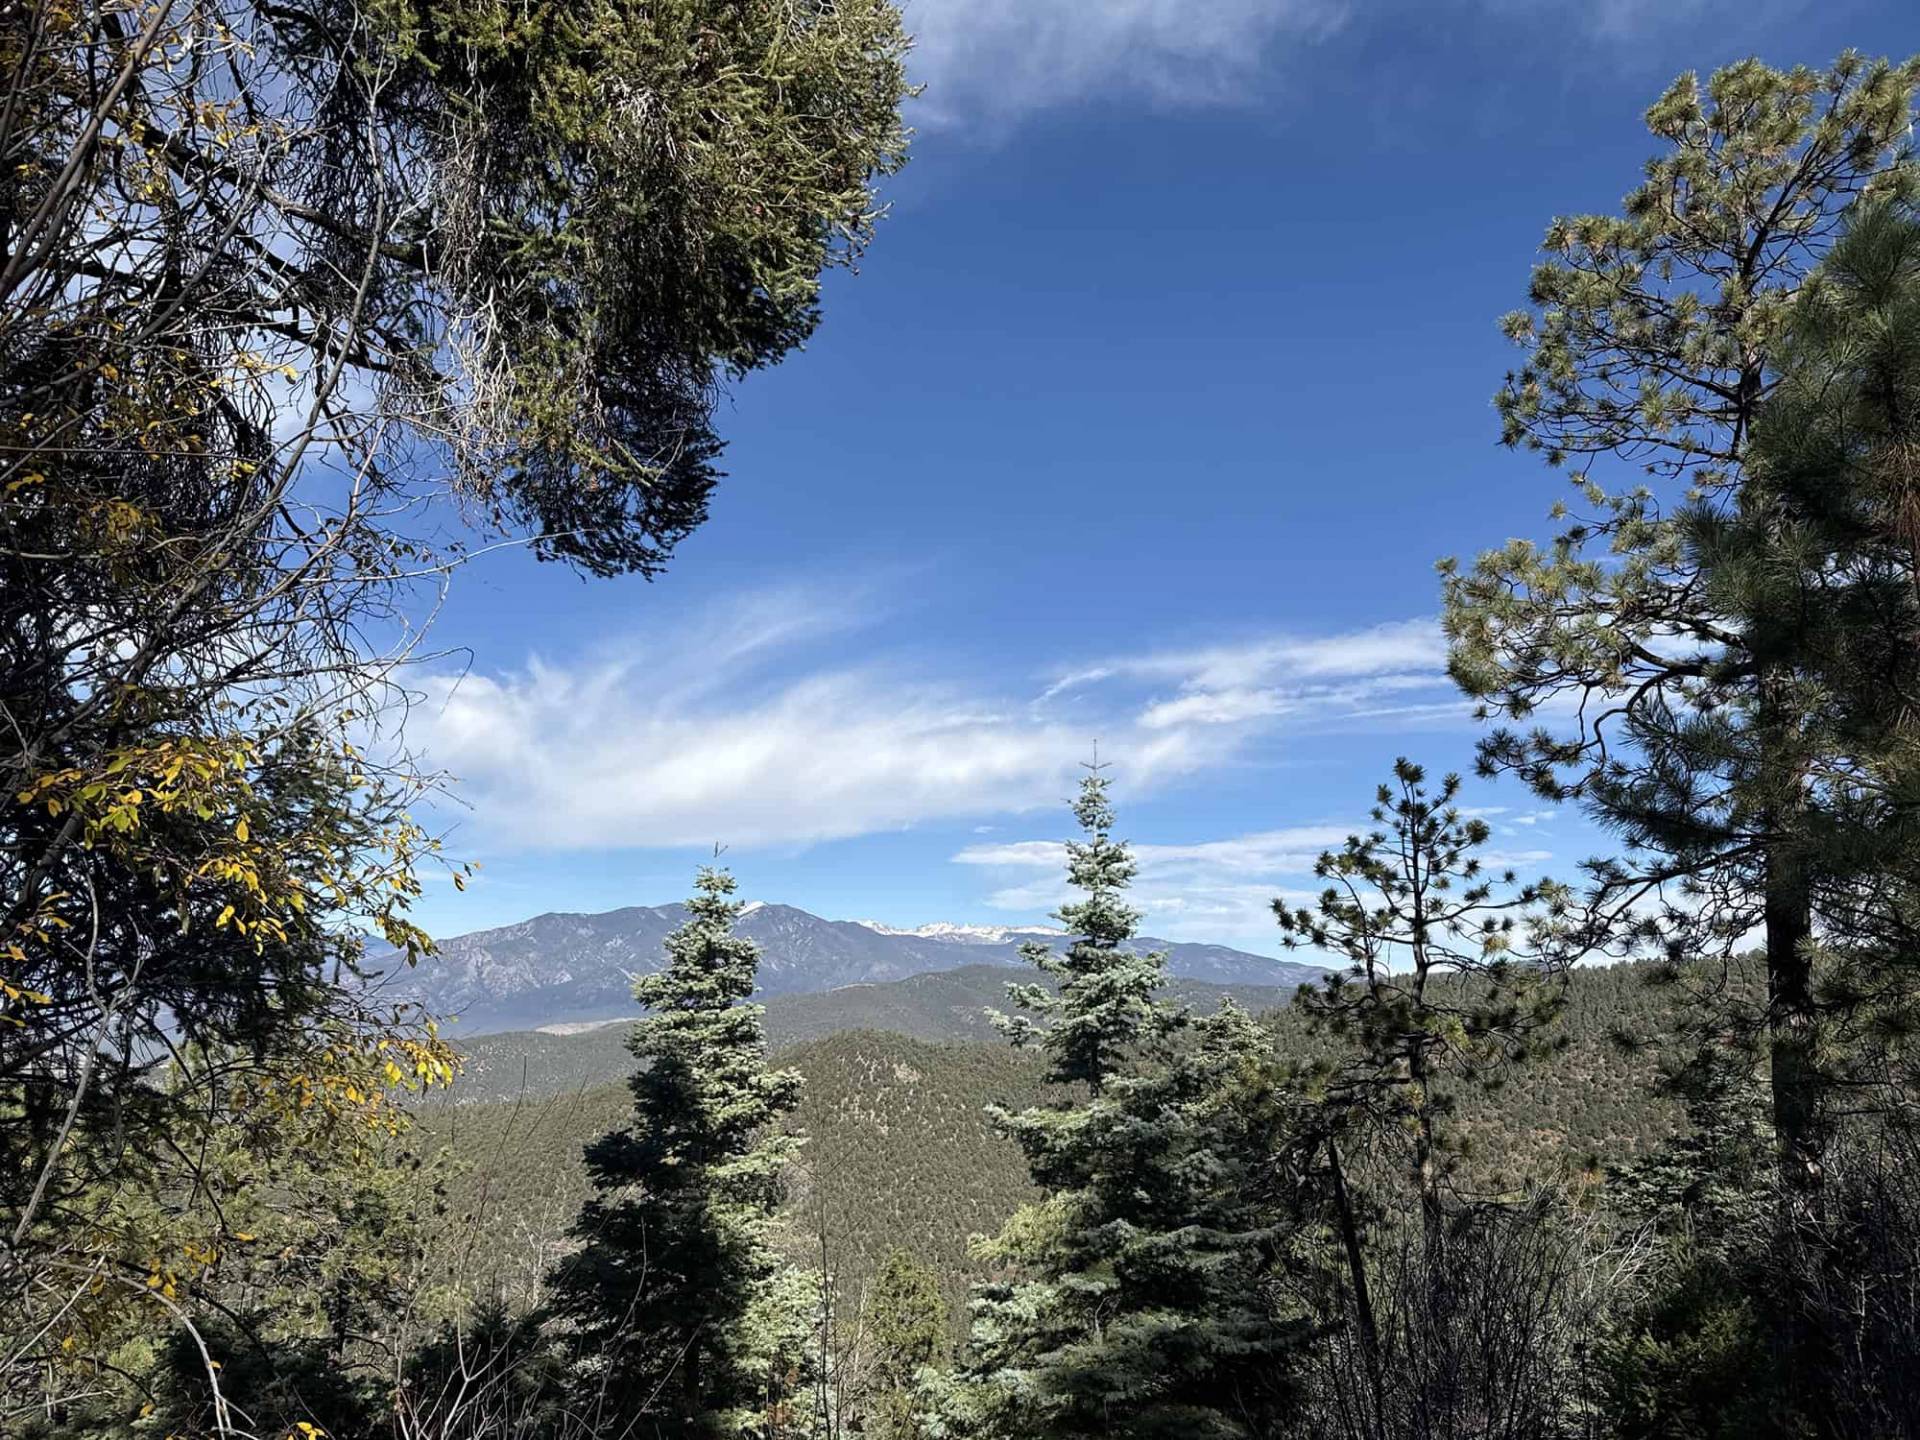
[964,934]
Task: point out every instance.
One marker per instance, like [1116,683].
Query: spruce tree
[676,1311]
[1132,1300]
[1651,348]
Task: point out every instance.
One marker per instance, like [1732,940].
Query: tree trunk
[1792,1019]
[1426,1164]
[1362,1295]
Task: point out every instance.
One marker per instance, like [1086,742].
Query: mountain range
[573,971]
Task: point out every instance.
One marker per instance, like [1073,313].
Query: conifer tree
[1132,1302]
[1651,347]
[1821,565]
[1453,973]
[906,1332]
[676,1311]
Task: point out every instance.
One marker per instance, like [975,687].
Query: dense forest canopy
[305,304]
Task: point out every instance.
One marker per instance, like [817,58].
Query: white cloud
[994,61]
[1390,673]
[1215,707]
[1218,891]
[711,735]
[1215,891]
[560,759]
[1411,646]
[722,730]
[989,63]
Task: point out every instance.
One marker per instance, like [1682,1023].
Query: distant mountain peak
[964,934]
[574,970]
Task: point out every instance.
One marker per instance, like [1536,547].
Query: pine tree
[676,1311]
[1133,1300]
[1651,348]
[1822,566]
[1454,974]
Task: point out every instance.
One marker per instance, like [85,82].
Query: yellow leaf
[241,832]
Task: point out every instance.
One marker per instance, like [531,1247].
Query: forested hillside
[900,1153]
[946,1005]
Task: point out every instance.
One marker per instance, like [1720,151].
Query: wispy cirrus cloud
[749,726]
[1219,891]
[1385,673]
[999,60]
[988,64]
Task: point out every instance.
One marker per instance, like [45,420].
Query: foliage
[1455,979]
[1652,344]
[907,1330]
[1821,564]
[1733,639]
[673,1311]
[286,1285]
[1688,1356]
[1102,1010]
[1409,904]
[522,238]
[286,291]
[1131,1299]
[1818,563]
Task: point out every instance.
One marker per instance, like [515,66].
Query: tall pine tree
[1651,347]
[1132,1301]
[676,1311]
[1822,565]
[1454,974]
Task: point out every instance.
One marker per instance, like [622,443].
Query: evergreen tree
[1410,905]
[1133,1302]
[1651,346]
[905,1332]
[676,1312]
[1821,564]
[1454,976]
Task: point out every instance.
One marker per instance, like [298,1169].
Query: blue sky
[1162,389]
